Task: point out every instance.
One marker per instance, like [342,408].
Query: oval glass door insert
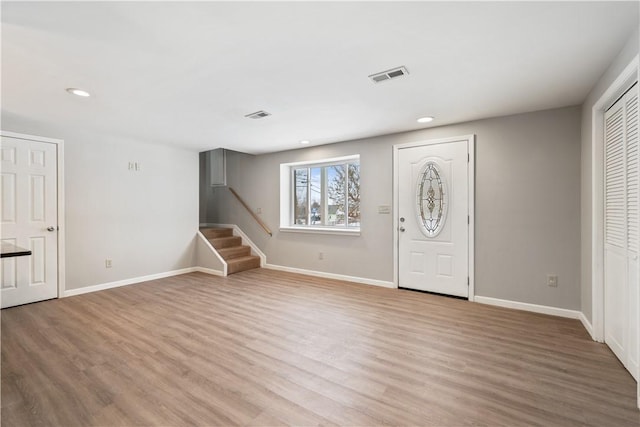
[432,200]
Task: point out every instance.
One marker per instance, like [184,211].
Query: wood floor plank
[263,348]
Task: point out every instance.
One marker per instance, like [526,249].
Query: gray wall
[629,51]
[527,206]
[144,221]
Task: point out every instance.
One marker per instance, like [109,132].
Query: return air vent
[389,74]
[258,114]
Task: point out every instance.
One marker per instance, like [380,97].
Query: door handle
[402,229]
[51,228]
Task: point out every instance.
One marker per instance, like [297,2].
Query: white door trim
[471,181]
[617,88]
[60,179]
[630,74]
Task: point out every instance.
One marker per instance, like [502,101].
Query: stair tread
[242,258]
[225,238]
[233,252]
[233,248]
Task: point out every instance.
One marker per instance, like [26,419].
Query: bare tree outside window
[346,180]
[301,199]
[326,194]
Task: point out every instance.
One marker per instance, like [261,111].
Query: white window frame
[286,198]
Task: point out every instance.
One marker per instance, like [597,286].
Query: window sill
[322,230]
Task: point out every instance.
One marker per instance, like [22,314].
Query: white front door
[433,217]
[621,244]
[29,220]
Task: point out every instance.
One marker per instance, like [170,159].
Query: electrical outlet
[552,280]
[108,263]
[320,256]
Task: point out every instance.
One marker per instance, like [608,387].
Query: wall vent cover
[389,74]
[258,114]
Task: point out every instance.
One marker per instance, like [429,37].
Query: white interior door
[433,217]
[621,230]
[29,220]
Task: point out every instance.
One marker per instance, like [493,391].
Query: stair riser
[226,242]
[214,233]
[237,267]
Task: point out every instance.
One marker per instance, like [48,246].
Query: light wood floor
[264,348]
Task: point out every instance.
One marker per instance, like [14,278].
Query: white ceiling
[186,73]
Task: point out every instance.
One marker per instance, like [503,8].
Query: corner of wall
[629,51]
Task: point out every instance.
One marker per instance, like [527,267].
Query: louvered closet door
[621,229]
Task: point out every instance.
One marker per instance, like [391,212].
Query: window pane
[316,196]
[301,203]
[354,195]
[335,194]
[325,194]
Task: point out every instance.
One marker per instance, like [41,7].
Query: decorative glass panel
[432,200]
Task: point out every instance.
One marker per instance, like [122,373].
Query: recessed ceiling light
[305,142]
[425,119]
[78,92]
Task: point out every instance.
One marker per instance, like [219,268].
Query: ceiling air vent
[389,74]
[258,115]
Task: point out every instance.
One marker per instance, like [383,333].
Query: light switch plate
[384,209]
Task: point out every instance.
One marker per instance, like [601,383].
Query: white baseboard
[209,271]
[325,275]
[133,280]
[535,308]
[587,325]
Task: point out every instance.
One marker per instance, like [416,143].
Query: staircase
[237,256]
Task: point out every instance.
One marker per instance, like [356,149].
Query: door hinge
[468,157]
[468,281]
[468,219]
